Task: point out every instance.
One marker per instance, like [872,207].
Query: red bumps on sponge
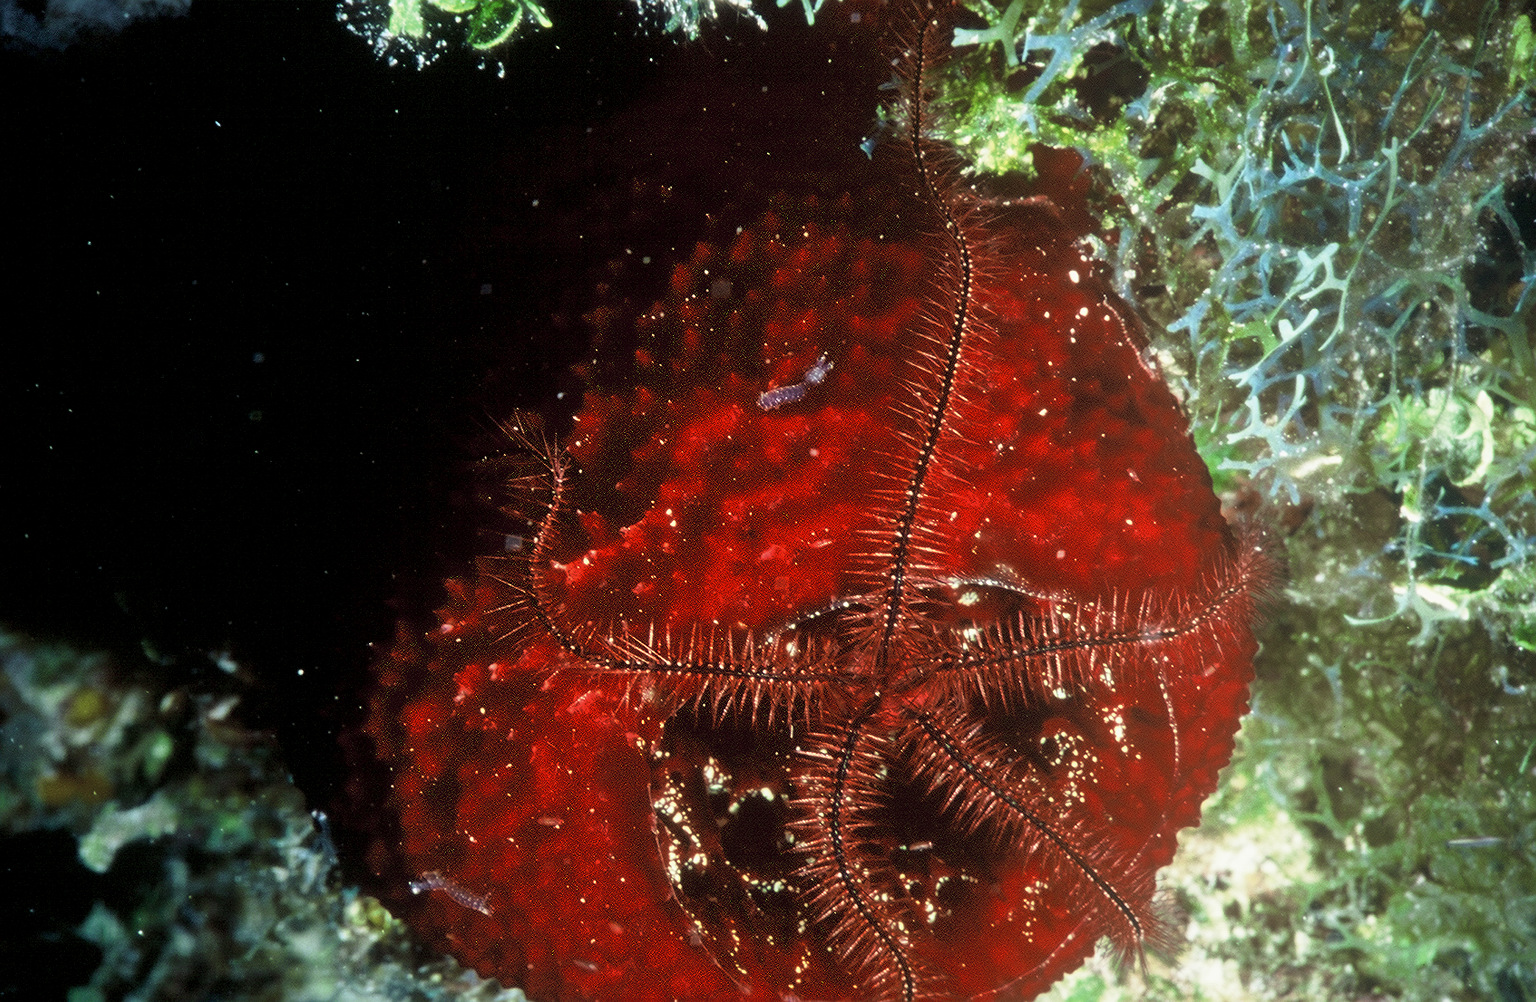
[908,640]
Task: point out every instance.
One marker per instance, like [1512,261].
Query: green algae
[232,889]
[418,32]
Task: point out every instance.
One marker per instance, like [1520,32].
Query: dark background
[265,297]
[245,329]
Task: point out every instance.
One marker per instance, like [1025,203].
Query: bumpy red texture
[884,633]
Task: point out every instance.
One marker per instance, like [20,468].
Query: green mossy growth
[417,32]
[238,894]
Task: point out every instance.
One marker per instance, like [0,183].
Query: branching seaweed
[1332,207]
